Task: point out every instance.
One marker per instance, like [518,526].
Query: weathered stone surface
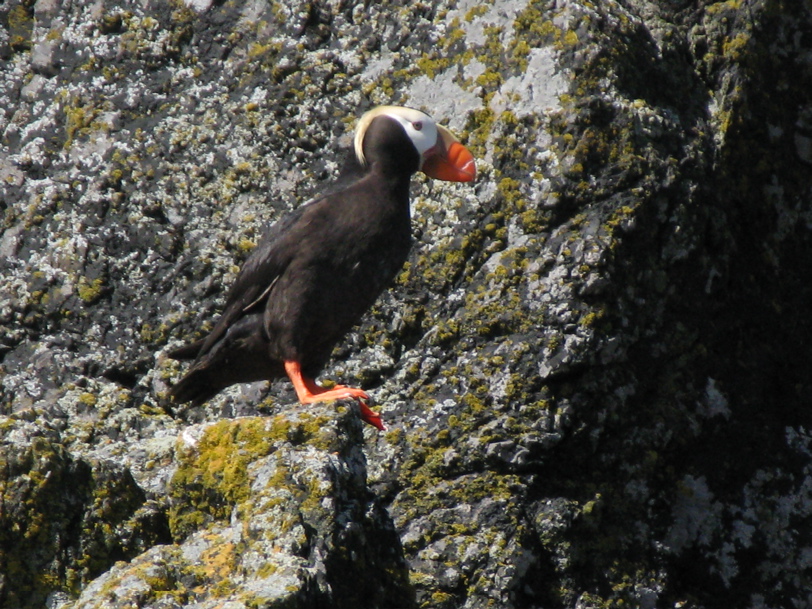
[64,520]
[594,367]
[267,512]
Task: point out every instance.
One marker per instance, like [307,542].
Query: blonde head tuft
[401,114]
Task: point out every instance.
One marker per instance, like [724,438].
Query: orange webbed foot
[339,392]
[309,392]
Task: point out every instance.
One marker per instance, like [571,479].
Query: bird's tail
[187,352]
[194,387]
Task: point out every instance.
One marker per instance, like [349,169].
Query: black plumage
[319,268]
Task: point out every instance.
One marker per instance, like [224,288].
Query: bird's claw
[308,392]
[367,414]
[371,417]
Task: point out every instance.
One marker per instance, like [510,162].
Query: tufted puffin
[319,268]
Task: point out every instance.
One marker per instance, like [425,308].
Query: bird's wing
[258,276]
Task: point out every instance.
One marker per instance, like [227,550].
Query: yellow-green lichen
[20,25]
[431,66]
[213,475]
[90,290]
[87,399]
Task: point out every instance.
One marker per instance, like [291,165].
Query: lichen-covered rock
[267,512]
[594,366]
[65,520]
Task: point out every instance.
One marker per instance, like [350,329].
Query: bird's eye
[417,126]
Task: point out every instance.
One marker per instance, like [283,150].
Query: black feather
[314,274]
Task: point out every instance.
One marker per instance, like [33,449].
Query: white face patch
[419,126]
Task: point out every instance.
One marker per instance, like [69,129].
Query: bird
[319,268]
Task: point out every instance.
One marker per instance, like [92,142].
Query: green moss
[533,28]
[212,477]
[80,120]
[489,79]
[59,493]
[162,582]
[21,26]
[431,66]
[734,47]
[18,17]
[246,245]
[477,11]
[717,8]
[88,399]
[592,319]
[90,291]
[519,52]
[570,38]
[157,335]
[267,569]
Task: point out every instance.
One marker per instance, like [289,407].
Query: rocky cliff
[595,367]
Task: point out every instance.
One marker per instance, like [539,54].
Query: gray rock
[594,367]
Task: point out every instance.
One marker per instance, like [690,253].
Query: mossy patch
[20,27]
[213,475]
[65,520]
[90,290]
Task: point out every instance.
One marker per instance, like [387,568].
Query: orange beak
[449,160]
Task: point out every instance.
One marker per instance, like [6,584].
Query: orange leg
[308,392]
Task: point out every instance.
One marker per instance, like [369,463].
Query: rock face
[594,368]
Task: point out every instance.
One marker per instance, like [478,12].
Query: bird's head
[437,152]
